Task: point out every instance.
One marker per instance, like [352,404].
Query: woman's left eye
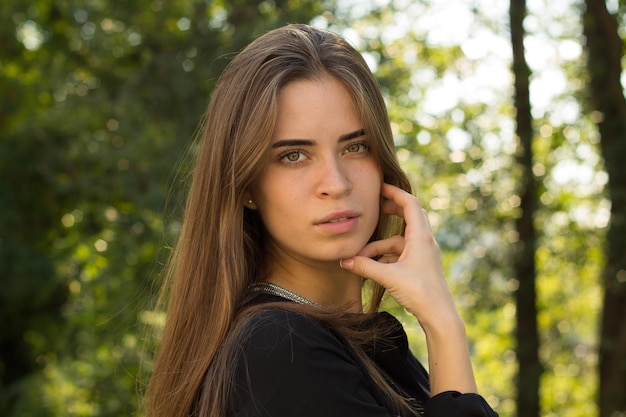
[357,147]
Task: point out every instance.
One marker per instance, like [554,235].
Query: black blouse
[293,365]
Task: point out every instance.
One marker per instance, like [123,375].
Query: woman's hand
[411,271]
[408,266]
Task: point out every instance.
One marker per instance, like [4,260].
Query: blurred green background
[99,104]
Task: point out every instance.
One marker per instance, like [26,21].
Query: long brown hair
[219,251]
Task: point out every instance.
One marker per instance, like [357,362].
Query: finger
[427,220]
[368,268]
[388,259]
[401,203]
[390,207]
[392,245]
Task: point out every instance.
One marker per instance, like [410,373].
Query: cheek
[276,202]
[372,181]
[372,176]
[265,191]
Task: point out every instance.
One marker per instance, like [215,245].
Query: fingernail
[346,264]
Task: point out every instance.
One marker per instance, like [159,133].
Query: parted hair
[219,252]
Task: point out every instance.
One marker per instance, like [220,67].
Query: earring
[250,202]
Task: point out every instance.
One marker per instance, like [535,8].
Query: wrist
[450,367]
[444,326]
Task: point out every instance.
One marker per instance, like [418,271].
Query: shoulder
[284,357]
[272,333]
[281,318]
[276,329]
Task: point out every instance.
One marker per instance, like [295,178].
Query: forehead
[315,106]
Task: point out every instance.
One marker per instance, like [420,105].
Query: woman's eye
[292,156]
[357,147]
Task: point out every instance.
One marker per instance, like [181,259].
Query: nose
[333,178]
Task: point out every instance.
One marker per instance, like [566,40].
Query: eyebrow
[310,142]
[353,135]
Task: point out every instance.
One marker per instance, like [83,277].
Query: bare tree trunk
[530,369]
[604,48]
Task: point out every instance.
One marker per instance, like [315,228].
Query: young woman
[297,199]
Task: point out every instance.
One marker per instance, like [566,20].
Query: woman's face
[319,196]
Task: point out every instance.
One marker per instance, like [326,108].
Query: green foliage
[100,100]
[469,188]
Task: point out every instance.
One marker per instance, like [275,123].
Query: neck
[326,286]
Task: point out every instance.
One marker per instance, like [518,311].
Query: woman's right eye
[292,157]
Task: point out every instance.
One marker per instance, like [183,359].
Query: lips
[338,217]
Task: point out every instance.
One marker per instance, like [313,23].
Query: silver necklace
[273,289]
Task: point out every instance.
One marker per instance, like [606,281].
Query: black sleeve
[290,365]
[455,404]
[406,370]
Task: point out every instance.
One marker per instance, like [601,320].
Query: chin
[345,253]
